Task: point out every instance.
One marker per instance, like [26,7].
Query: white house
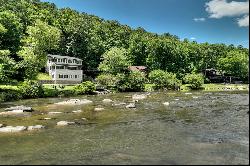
[64,69]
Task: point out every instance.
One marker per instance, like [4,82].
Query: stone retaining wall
[58,82]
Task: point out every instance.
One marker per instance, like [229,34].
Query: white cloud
[193,38]
[244,22]
[223,8]
[199,19]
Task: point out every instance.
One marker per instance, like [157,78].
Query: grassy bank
[12,93]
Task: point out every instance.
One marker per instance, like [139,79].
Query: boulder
[13,112]
[107,100]
[11,129]
[166,103]
[24,108]
[118,104]
[78,111]
[75,102]
[98,109]
[131,105]
[36,127]
[64,123]
[83,118]
[2,125]
[188,93]
[139,97]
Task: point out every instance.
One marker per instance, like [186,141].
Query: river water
[197,128]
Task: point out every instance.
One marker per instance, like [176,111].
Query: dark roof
[137,68]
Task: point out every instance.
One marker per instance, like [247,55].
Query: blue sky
[213,21]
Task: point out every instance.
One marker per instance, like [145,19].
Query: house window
[50,68]
[53,67]
[75,76]
[66,76]
[60,76]
[53,76]
[69,61]
[59,67]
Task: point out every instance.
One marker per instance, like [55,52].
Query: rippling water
[197,128]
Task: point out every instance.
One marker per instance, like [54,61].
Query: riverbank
[68,90]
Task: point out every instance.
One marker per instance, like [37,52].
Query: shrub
[195,80]
[87,87]
[106,80]
[9,95]
[31,89]
[67,93]
[51,92]
[163,79]
[136,81]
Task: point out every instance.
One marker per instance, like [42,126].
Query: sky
[212,21]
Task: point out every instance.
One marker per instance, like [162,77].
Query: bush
[31,89]
[136,81]
[106,80]
[67,93]
[87,87]
[9,95]
[51,92]
[163,79]
[195,80]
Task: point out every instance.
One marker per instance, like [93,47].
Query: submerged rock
[98,109]
[11,129]
[75,102]
[131,105]
[64,123]
[118,104]
[107,100]
[188,93]
[36,127]
[139,97]
[23,108]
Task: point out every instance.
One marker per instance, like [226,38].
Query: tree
[41,39]
[195,80]
[115,61]
[235,63]
[7,66]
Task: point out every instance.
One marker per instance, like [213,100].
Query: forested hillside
[30,29]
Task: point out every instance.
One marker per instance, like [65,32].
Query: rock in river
[11,129]
[166,103]
[131,105]
[23,108]
[98,109]
[139,97]
[107,100]
[75,102]
[64,123]
[36,127]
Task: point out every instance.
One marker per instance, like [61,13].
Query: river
[195,128]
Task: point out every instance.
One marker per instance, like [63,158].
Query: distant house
[219,77]
[138,68]
[64,69]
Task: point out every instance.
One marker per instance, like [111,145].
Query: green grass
[43,76]
[218,87]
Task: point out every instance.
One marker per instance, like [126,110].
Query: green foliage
[235,63]
[163,79]
[51,92]
[43,76]
[106,80]
[31,89]
[87,87]
[131,82]
[9,95]
[195,80]
[115,61]
[7,67]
